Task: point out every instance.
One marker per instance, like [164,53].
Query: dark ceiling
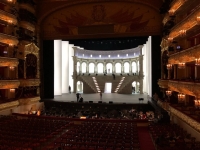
[110,44]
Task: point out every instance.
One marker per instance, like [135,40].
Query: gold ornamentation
[9,84]
[27,25]
[193,123]
[30,82]
[25,101]
[8,17]
[5,61]
[9,105]
[163,83]
[185,56]
[8,39]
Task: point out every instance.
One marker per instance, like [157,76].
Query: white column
[65,66]
[71,67]
[57,67]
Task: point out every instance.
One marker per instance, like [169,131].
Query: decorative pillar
[25,68]
[95,68]
[130,67]
[169,73]
[38,68]
[122,67]
[141,86]
[141,65]
[113,68]
[196,72]
[16,72]
[87,67]
[175,71]
[75,86]
[80,69]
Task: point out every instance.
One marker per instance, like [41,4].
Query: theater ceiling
[71,19]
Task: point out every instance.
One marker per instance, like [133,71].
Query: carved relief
[30,82]
[4,61]
[9,84]
[163,83]
[185,56]
[8,39]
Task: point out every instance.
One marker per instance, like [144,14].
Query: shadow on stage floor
[106,98]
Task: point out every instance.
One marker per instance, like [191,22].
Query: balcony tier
[184,56]
[9,105]
[8,39]
[9,84]
[27,6]
[163,83]
[29,82]
[27,25]
[5,61]
[8,17]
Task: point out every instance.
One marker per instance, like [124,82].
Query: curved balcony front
[5,61]
[8,39]
[29,82]
[163,83]
[184,56]
[27,25]
[9,84]
[8,17]
[27,6]
[188,24]
[189,88]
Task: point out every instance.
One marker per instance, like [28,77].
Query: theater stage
[114,97]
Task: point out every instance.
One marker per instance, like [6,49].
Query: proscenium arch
[156,6]
[51,17]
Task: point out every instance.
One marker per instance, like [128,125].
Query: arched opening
[118,67]
[78,67]
[91,68]
[134,87]
[100,68]
[83,67]
[109,68]
[31,66]
[126,67]
[79,87]
[134,67]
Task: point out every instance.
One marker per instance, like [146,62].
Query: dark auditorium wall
[156,63]
[47,69]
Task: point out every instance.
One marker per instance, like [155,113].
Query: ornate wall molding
[8,17]
[188,23]
[5,61]
[25,101]
[29,82]
[9,84]
[193,123]
[185,56]
[9,105]
[163,83]
[189,88]
[31,49]
[8,39]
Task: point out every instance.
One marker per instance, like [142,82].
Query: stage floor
[106,97]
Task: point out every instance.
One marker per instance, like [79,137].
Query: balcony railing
[9,84]
[7,17]
[8,39]
[29,82]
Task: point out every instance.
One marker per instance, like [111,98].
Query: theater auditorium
[99,75]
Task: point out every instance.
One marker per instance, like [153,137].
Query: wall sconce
[182,33]
[181,97]
[171,12]
[197,103]
[168,93]
[170,39]
[12,68]
[197,61]
[198,20]
[169,66]
[181,65]
[12,90]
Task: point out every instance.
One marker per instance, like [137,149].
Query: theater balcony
[8,39]
[188,55]
[185,114]
[8,17]
[8,62]
[27,25]
[9,84]
[163,83]
[27,4]
[29,82]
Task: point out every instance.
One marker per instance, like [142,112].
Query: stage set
[106,98]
